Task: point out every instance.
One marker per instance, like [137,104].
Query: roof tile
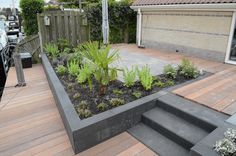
[174,2]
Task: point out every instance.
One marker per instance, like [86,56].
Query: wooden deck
[30,123]
[217,92]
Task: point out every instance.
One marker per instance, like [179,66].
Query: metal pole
[105,22]
[19,69]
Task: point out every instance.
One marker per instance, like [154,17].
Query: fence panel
[68,25]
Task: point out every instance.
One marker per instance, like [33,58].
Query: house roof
[177,2]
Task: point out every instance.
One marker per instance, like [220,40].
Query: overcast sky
[8,3]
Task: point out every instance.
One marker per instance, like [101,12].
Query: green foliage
[102,106]
[137,94]
[84,113]
[61,70]
[159,84]
[85,74]
[187,69]
[51,8]
[117,92]
[70,86]
[122,22]
[170,71]
[145,77]
[29,9]
[100,60]
[73,68]
[114,102]
[64,45]
[76,95]
[51,50]
[83,105]
[129,77]
[170,83]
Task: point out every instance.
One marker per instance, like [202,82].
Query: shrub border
[86,133]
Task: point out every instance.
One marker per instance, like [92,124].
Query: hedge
[122,22]
[29,9]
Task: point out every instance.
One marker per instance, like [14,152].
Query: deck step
[197,114]
[175,128]
[157,142]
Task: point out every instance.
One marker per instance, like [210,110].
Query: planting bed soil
[115,90]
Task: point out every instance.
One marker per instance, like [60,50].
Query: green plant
[170,71]
[29,11]
[51,8]
[102,106]
[85,74]
[76,95]
[100,60]
[117,92]
[84,113]
[61,70]
[64,45]
[129,77]
[137,94]
[187,69]
[159,84]
[170,83]
[114,102]
[52,50]
[145,77]
[73,68]
[82,105]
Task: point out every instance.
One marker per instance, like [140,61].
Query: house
[202,28]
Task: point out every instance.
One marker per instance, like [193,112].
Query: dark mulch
[93,98]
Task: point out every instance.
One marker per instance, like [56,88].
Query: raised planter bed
[88,132]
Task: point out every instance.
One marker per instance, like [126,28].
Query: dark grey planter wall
[86,133]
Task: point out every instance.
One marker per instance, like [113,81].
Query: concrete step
[173,127]
[197,114]
[157,142]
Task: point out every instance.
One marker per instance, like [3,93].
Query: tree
[30,8]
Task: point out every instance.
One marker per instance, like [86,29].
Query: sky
[8,3]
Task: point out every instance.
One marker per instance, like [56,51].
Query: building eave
[203,7]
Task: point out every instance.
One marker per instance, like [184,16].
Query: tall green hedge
[29,9]
[122,22]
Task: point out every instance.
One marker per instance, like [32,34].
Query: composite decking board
[30,123]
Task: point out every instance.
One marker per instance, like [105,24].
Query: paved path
[217,92]
[30,123]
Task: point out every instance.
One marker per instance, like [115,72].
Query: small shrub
[61,70]
[137,94]
[116,102]
[102,106]
[159,84]
[117,92]
[64,45]
[52,50]
[230,134]
[73,68]
[187,69]
[76,95]
[170,71]
[83,105]
[145,77]
[70,86]
[129,77]
[84,113]
[169,83]
[225,147]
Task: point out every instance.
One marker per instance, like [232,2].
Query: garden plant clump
[227,145]
[90,78]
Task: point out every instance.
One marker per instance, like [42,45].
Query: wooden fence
[30,44]
[69,25]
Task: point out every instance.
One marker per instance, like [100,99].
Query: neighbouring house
[202,28]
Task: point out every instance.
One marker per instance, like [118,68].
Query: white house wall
[197,33]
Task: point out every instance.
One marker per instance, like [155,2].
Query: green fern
[51,50]
[145,77]
[129,77]
[73,68]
